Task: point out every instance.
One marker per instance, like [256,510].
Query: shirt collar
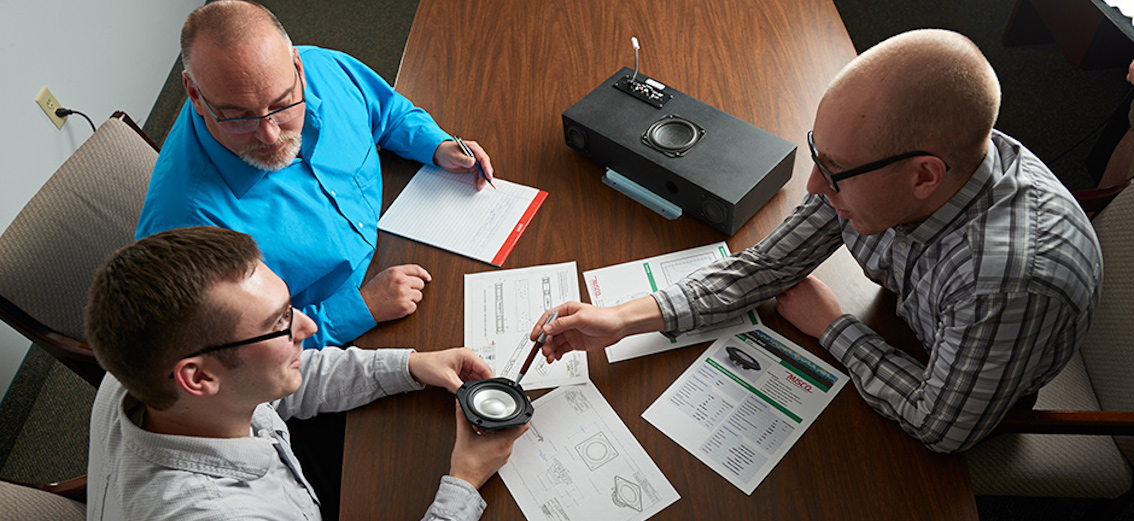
[243,459]
[241,176]
[984,177]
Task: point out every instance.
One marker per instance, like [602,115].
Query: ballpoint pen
[535,348]
[476,163]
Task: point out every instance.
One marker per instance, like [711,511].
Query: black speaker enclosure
[726,171]
[495,403]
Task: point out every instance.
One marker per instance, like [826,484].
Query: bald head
[229,24]
[927,89]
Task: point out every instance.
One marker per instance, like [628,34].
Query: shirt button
[901,244]
[360,224]
[333,194]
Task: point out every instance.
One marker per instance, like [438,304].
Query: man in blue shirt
[280,142]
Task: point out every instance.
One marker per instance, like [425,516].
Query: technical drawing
[627,493]
[578,402]
[596,451]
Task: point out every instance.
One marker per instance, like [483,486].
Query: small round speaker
[495,403]
[576,138]
[673,135]
[742,359]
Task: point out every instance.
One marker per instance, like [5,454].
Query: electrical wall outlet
[48,103]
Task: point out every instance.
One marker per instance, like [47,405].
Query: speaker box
[713,165]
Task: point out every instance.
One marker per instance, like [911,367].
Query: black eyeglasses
[248,124]
[253,340]
[833,178]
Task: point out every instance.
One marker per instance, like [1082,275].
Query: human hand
[450,157]
[449,368]
[395,292]
[810,306]
[476,457]
[584,327]
[1130,73]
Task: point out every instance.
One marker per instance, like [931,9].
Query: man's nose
[816,183]
[268,131]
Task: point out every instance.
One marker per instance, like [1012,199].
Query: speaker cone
[673,135]
[495,403]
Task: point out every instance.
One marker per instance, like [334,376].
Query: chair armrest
[1095,199]
[75,488]
[118,114]
[75,354]
[1113,423]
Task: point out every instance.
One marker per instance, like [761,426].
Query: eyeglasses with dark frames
[253,340]
[833,178]
[248,124]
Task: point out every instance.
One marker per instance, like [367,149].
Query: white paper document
[501,307]
[613,285]
[745,401]
[446,210]
[579,462]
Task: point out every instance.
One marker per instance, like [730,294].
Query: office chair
[83,213]
[1078,441]
[52,502]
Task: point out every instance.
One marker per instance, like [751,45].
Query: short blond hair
[938,92]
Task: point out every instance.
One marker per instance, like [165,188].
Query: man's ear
[194,377]
[929,177]
[192,92]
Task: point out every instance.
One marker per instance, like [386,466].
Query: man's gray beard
[287,154]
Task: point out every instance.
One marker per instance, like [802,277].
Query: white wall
[96,57]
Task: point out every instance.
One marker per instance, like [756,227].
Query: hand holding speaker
[449,368]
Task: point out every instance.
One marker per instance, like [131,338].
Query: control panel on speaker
[714,166]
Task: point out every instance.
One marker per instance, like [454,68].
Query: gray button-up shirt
[999,284]
[136,474]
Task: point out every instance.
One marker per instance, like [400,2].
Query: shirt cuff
[346,317]
[844,335]
[425,145]
[675,310]
[392,366]
[456,499]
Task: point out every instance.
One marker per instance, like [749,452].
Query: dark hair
[147,306]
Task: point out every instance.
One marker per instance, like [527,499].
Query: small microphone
[634,42]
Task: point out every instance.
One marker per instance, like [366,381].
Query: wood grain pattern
[501,73]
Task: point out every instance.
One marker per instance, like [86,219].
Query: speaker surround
[712,165]
[495,403]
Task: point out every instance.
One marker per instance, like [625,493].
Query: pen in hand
[535,348]
[468,152]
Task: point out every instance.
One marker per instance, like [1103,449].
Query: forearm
[456,500]
[986,354]
[737,283]
[342,379]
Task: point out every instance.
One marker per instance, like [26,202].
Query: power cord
[62,112]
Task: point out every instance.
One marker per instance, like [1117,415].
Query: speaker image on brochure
[676,154]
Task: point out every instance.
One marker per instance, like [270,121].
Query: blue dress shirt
[315,220]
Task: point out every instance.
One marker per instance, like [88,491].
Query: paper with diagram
[501,307]
[613,285]
[579,462]
[446,210]
[745,401]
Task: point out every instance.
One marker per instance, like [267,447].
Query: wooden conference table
[501,72]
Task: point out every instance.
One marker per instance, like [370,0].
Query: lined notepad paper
[446,210]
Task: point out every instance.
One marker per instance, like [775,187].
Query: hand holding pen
[467,149]
[540,339]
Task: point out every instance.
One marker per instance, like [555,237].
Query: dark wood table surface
[502,72]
